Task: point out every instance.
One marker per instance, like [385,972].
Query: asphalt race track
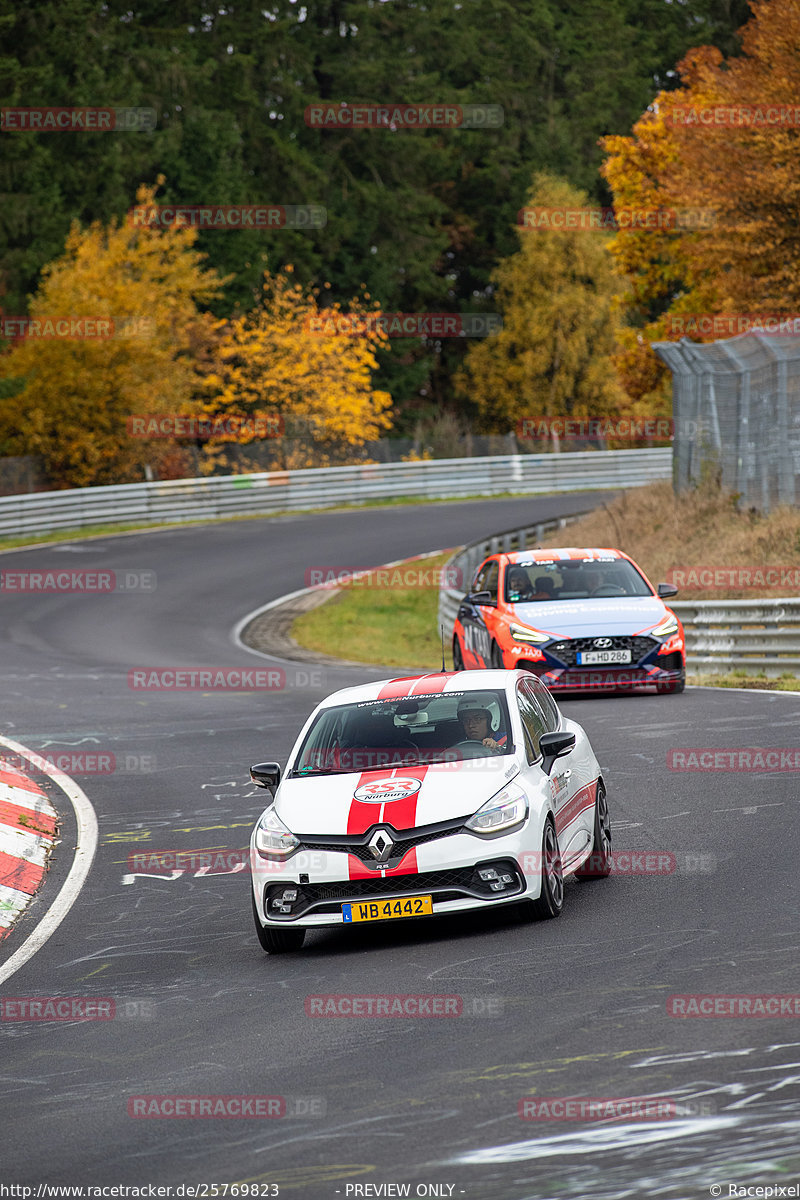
[573,1007]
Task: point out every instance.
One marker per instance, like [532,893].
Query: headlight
[667,627]
[503,813]
[521,633]
[272,836]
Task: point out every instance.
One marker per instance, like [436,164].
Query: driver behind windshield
[476,721]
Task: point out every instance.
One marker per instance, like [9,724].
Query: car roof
[435,683]
[562,554]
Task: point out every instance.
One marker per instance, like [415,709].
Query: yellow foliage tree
[557,296]
[286,363]
[68,399]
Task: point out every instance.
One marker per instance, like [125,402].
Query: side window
[486,579]
[539,693]
[532,720]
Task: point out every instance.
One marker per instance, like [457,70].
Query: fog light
[507,878]
[276,903]
[497,886]
[286,908]
[487,873]
[290,894]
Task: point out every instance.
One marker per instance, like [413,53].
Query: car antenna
[444,668]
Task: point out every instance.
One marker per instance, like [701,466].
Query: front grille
[567,649]
[358,845]
[444,885]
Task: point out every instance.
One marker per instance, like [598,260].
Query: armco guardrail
[327,487]
[721,635]
[762,635]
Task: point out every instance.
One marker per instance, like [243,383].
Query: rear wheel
[598,864]
[458,657]
[551,898]
[277,941]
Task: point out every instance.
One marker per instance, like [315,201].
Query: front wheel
[551,899]
[667,689]
[277,941]
[458,657]
[598,864]
[496,657]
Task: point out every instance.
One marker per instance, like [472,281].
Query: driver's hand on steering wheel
[491,743]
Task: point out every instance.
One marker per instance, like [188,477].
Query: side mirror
[553,746]
[480,598]
[266,775]
[666,589]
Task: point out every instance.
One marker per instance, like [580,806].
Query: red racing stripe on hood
[400,813]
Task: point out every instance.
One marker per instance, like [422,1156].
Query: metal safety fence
[736,408]
[329,487]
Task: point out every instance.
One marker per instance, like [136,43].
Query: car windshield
[371,734]
[573,579]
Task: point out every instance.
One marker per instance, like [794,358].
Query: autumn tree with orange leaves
[723,153]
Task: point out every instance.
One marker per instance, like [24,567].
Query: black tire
[670,689]
[458,657]
[277,941]
[551,901]
[599,863]
[496,657]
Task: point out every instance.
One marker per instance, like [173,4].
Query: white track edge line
[81,864]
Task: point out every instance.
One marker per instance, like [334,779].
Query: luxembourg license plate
[384,910]
[593,658]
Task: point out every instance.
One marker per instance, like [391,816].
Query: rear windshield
[403,733]
[573,579]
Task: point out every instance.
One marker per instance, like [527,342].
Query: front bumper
[325,880]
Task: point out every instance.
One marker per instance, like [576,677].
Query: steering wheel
[478,748]
[608,589]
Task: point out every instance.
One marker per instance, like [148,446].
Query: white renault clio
[427,795]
